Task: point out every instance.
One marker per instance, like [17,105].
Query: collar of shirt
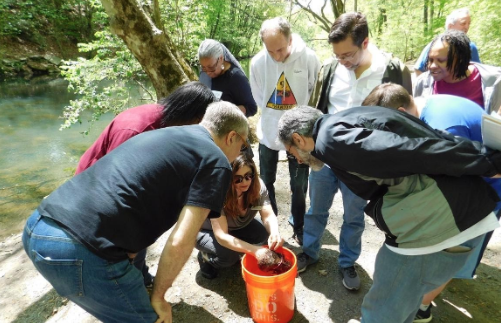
[347,91]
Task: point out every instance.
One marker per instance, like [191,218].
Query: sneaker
[350,278]
[423,316]
[353,321]
[303,261]
[206,269]
[298,236]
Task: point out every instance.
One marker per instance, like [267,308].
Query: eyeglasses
[212,68]
[245,146]
[348,57]
[239,178]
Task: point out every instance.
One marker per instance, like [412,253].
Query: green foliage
[34,20]
[399,26]
[235,23]
[485,29]
[103,81]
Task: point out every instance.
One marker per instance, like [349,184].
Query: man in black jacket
[417,197]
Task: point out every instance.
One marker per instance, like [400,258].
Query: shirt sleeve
[421,61]
[313,69]
[380,153]
[208,189]
[242,93]
[474,53]
[256,84]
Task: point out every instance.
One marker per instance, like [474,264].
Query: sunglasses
[239,178]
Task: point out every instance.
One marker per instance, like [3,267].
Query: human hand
[275,241]
[163,309]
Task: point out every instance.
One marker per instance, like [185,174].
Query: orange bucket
[271,297]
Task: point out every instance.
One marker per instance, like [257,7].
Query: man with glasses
[84,236]
[343,82]
[282,76]
[224,75]
[433,212]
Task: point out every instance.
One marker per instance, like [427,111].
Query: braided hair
[459,54]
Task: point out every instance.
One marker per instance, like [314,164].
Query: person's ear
[230,137]
[401,109]
[365,43]
[298,140]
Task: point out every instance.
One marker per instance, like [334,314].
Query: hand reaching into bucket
[275,241]
[271,261]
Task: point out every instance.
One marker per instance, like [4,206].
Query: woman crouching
[238,230]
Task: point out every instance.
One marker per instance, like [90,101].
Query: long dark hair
[186,105]
[251,197]
[459,54]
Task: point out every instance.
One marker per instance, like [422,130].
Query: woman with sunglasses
[221,72]
[222,240]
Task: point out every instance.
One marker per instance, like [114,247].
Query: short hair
[454,15]
[352,24]
[300,120]
[210,48]
[277,24]
[251,196]
[389,95]
[186,105]
[459,54]
[222,117]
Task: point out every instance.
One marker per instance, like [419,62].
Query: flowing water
[35,157]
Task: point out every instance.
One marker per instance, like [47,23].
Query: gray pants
[221,257]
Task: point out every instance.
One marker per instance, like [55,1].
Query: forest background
[105,44]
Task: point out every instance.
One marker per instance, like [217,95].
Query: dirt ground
[320,296]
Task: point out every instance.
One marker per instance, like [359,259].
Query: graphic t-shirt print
[282,97]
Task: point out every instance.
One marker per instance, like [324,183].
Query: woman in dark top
[221,72]
[221,241]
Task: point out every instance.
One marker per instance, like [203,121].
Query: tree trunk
[425,17]
[432,12]
[149,44]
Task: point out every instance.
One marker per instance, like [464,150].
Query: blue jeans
[254,233]
[401,281]
[140,263]
[112,292]
[268,160]
[323,186]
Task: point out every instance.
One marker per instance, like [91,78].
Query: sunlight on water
[35,157]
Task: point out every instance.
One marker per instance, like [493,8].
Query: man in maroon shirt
[185,106]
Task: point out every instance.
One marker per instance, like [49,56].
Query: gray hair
[214,49]
[454,15]
[300,120]
[210,48]
[277,24]
[222,117]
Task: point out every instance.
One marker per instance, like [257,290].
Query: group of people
[185,164]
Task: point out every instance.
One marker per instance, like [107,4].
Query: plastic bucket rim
[281,276]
